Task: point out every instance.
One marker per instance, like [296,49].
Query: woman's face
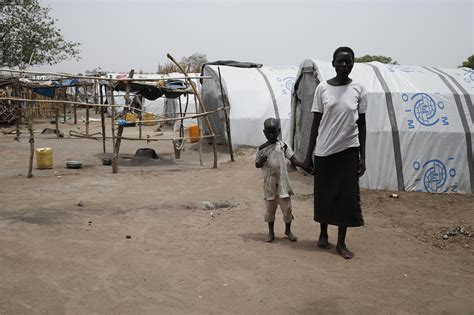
[343,64]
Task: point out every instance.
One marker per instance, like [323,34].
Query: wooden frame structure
[24,102]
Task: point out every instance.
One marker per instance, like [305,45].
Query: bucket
[147,117]
[44,158]
[194,134]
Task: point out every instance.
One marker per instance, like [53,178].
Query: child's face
[272,134]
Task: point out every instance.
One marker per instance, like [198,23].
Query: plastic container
[131,118]
[193,131]
[147,117]
[44,158]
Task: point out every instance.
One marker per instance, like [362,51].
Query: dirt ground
[182,257]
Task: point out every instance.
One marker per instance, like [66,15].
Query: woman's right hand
[307,166]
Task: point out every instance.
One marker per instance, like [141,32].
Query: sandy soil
[57,257]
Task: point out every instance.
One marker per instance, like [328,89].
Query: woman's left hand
[361,168]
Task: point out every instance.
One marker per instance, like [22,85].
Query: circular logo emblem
[289,82]
[424,109]
[469,76]
[435,175]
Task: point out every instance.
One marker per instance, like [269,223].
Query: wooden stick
[57,101]
[112,119]
[75,106]
[56,121]
[62,97]
[200,132]
[201,106]
[95,85]
[18,111]
[140,117]
[87,108]
[79,135]
[120,128]
[110,105]
[227,120]
[65,75]
[32,144]
[177,150]
[102,118]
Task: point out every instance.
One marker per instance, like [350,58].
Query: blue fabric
[49,91]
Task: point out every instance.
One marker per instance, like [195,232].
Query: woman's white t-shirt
[340,106]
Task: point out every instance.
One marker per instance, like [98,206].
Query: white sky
[120,35]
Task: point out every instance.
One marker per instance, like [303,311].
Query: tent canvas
[419,124]
[169,107]
[253,95]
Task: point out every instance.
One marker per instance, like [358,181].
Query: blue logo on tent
[286,84]
[289,82]
[425,110]
[401,68]
[435,175]
[394,68]
[469,76]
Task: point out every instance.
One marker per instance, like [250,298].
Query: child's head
[271,129]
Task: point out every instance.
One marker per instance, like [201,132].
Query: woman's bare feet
[323,242]
[344,252]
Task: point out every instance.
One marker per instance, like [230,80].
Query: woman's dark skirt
[336,189]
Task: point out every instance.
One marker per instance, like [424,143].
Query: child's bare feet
[323,242]
[270,238]
[291,236]
[344,252]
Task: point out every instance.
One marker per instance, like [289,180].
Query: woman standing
[337,142]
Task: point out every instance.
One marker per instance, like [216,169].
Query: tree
[469,62]
[29,36]
[192,63]
[382,59]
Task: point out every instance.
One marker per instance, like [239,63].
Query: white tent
[253,94]
[419,124]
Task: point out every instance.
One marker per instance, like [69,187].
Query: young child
[271,157]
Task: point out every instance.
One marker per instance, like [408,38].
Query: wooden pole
[200,132]
[32,143]
[95,85]
[140,117]
[202,114]
[191,83]
[102,118]
[60,97]
[56,121]
[227,120]
[120,128]
[177,150]
[18,111]
[84,87]
[75,106]
[63,75]
[112,119]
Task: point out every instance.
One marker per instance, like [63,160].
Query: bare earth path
[57,257]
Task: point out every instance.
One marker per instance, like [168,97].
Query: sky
[119,35]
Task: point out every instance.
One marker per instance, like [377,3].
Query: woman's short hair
[343,49]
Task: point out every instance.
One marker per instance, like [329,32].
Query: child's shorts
[285,206]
